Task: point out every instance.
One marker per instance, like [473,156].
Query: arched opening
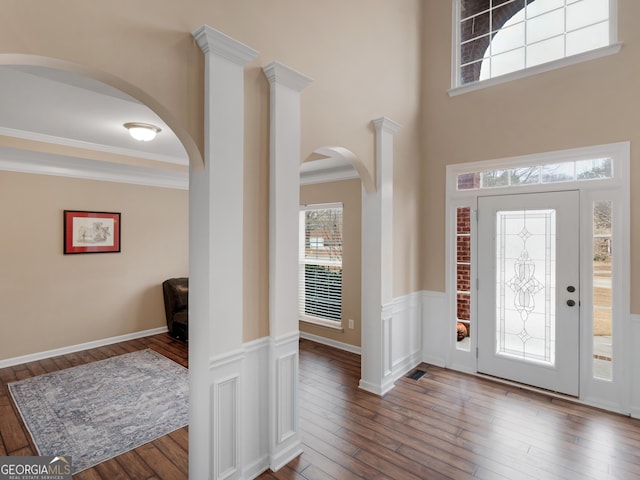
[336,163]
[335,177]
[63,71]
[51,160]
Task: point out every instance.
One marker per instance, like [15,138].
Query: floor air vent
[416,374]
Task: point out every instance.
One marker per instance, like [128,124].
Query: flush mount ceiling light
[143,132]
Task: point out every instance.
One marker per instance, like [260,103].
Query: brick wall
[463,274]
[479,30]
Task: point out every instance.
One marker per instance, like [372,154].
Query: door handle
[571,303]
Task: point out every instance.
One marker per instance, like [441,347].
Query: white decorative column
[215,265]
[284,196]
[377,267]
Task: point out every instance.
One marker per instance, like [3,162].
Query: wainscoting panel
[225,386]
[405,334]
[286,396]
[437,336]
[226,394]
[254,418]
[634,365]
[387,346]
[240,385]
[285,443]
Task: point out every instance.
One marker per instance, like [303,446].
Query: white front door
[528,289]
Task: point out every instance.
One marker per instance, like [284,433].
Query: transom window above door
[496,38]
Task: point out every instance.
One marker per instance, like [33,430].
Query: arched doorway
[68,146]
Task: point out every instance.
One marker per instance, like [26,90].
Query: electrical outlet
[351,323]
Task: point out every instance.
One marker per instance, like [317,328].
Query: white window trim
[610,395]
[456,89]
[309,319]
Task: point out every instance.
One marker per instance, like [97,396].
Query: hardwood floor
[445,425]
[164,458]
[448,425]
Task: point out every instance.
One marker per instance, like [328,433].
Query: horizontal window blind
[320,266]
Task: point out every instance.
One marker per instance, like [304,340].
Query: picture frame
[91,232]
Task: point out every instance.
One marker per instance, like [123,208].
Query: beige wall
[349,193]
[367,58]
[591,103]
[364,59]
[363,56]
[50,300]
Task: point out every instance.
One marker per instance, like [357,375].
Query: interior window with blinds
[320,266]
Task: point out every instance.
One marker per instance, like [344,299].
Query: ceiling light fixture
[142,132]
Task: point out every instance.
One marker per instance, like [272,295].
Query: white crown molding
[328,167]
[385,124]
[281,74]
[68,142]
[214,41]
[336,174]
[24,161]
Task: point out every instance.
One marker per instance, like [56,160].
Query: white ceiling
[53,106]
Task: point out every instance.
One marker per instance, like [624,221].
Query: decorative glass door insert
[526,283]
[529,289]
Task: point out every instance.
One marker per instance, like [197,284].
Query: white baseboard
[282,458]
[33,357]
[331,343]
[256,468]
[379,390]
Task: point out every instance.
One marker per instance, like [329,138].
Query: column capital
[385,124]
[281,74]
[214,41]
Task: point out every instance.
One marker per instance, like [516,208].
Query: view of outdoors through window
[321,263]
[503,36]
[602,290]
[538,174]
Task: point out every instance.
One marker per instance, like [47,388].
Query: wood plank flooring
[445,425]
[164,458]
[448,425]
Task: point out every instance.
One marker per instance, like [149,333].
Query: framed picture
[91,232]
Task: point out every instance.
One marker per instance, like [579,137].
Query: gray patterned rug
[97,411]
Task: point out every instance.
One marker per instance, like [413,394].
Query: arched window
[497,37]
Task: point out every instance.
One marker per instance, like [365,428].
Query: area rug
[97,411]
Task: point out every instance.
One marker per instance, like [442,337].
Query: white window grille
[499,37]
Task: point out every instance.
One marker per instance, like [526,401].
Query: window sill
[545,67]
[321,322]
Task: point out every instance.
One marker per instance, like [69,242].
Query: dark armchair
[176,306]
